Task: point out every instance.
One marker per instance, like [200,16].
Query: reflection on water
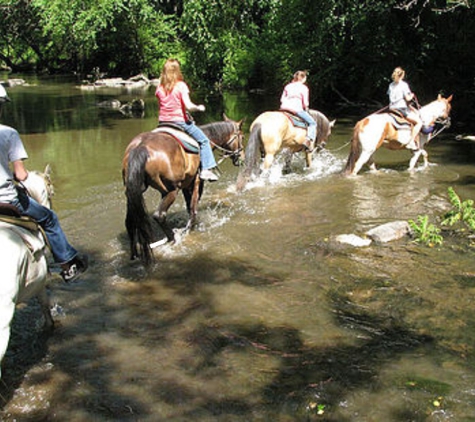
[255,315]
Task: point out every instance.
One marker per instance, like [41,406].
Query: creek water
[256,315]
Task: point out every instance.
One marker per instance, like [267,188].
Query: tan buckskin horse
[273,131]
[158,160]
[382,129]
[23,264]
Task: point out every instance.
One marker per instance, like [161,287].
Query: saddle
[11,218]
[399,120]
[294,119]
[185,140]
[11,215]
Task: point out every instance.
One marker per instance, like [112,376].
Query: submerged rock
[388,232]
[353,240]
[110,104]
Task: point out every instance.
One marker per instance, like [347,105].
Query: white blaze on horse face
[434,111]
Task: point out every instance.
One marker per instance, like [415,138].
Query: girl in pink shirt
[295,98]
[173,97]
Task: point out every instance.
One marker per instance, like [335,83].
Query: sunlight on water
[254,314]
[323,164]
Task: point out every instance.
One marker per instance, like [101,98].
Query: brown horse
[272,131]
[158,160]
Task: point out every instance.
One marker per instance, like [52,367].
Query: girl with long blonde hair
[174,101]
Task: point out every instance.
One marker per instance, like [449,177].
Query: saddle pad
[185,140]
[294,119]
[399,120]
[33,238]
[21,221]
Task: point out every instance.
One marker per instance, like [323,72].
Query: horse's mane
[322,122]
[217,130]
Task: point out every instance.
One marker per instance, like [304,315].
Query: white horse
[382,129]
[23,263]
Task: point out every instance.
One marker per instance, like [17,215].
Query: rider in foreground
[400,96]
[174,100]
[13,152]
[295,98]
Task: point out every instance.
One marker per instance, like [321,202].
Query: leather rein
[226,152]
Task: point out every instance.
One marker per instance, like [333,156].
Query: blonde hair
[171,74]
[398,74]
[300,75]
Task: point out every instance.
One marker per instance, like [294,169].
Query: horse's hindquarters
[23,276]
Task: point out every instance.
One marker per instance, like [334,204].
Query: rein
[444,124]
[225,152]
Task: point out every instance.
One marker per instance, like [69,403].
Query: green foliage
[425,232]
[221,37]
[250,43]
[462,211]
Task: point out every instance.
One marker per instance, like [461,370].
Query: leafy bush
[425,232]
[462,211]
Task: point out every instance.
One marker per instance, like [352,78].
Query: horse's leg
[192,196]
[364,157]
[308,159]
[415,156]
[287,161]
[372,164]
[268,160]
[426,158]
[160,215]
[46,308]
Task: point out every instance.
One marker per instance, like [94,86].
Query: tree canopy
[349,47]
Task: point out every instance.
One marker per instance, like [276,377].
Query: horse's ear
[239,124]
[450,98]
[226,118]
[48,169]
[332,123]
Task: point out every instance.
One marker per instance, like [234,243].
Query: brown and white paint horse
[379,130]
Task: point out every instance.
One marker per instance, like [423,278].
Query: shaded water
[256,315]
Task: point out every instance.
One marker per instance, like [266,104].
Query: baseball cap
[3,95]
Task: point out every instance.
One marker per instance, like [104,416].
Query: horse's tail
[253,157]
[137,220]
[355,150]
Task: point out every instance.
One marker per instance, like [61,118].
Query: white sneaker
[208,175]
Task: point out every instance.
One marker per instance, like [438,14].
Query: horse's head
[437,111]
[234,145]
[40,187]
[447,106]
[324,128]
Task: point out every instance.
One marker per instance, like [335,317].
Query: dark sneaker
[77,266]
[208,175]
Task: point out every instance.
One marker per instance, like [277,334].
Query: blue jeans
[312,125]
[206,153]
[48,220]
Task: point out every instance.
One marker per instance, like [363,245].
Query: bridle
[225,150]
[441,123]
